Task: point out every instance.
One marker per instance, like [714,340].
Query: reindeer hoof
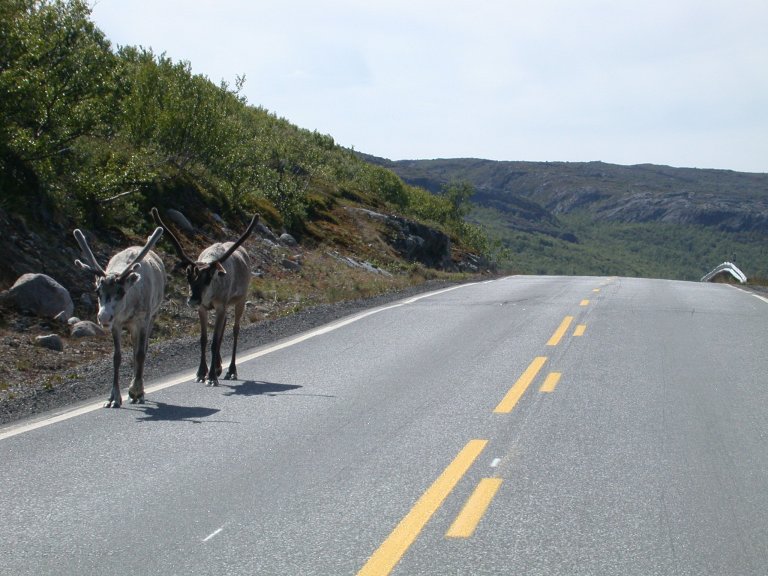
[213,383]
[137,399]
[136,394]
[112,404]
[231,376]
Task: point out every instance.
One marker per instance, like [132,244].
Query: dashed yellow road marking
[474,509]
[560,332]
[386,557]
[519,387]
[550,382]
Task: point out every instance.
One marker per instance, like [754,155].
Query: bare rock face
[40,295]
[420,243]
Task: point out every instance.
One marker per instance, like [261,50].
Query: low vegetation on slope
[94,137]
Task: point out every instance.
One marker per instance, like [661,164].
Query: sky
[675,82]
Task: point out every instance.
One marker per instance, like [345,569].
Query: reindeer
[219,278]
[130,292]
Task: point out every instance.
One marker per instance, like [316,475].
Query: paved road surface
[529,425]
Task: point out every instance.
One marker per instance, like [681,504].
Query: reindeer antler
[90,263]
[240,240]
[186,260]
[151,241]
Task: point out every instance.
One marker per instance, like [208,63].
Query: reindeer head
[112,288]
[200,275]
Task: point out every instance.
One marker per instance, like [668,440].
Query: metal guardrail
[726,267]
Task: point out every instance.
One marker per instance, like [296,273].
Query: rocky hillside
[540,191]
[597,218]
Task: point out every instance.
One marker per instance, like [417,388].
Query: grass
[323,279]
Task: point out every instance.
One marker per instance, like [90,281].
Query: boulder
[40,295]
[50,341]
[180,220]
[62,317]
[86,328]
[265,232]
[289,264]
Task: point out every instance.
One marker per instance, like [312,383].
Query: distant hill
[727,200]
[725,210]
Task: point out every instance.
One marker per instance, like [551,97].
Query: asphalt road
[528,425]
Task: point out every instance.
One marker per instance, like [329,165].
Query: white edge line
[763,298]
[15,430]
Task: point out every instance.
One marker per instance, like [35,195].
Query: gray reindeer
[219,278]
[130,292]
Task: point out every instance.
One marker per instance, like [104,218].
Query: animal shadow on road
[254,388]
[161,412]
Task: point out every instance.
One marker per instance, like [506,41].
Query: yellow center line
[579,331]
[550,382]
[519,387]
[584,303]
[557,336]
[474,509]
[386,557]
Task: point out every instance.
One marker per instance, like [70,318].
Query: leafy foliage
[56,90]
[96,135]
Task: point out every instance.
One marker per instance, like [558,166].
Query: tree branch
[118,196]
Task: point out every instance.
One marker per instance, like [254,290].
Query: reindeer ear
[131,279]
[133,276]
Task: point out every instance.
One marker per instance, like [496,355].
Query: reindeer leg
[202,371]
[218,334]
[140,339]
[115,399]
[232,371]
